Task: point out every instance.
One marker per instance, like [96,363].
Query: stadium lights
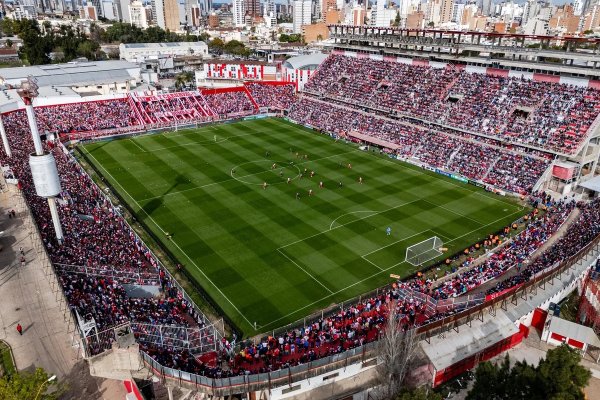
[42,164]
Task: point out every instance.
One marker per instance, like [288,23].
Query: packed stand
[551,116]
[496,166]
[580,233]
[171,108]
[228,103]
[85,117]
[277,97]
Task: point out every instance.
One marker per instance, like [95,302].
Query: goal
[424,251]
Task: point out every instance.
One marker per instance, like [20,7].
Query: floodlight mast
[42,164]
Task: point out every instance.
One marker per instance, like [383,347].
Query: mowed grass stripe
[230,232]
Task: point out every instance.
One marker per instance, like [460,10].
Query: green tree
[561,376]
[491,381]
[26,386]
[557,377]
[183,79]
[419,394]
[7,26]
[9,43]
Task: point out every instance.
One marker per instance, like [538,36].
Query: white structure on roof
[300,68]
[72,79]
[138,52]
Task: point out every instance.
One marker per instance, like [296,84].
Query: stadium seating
[546,115]
[501,167]
[275,97]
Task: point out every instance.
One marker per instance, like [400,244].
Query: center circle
[273,172]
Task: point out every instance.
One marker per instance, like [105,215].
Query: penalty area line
[372,276]
[305,271]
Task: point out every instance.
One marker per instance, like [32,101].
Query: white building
[137,13]
[109,10]
[237,9]
[302,14]
[137,52]
[123,8]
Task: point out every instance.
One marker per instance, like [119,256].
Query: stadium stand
[273,95]
[460,154]
[550,116]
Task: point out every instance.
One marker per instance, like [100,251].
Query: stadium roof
[308,61]
[592,184]
[455,347]
[583,334]
[70,74]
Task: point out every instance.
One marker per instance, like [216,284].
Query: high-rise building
[137,13]
[167,14]
[252,8]
[302,9]
[238,12]
[123,10]
[486,7]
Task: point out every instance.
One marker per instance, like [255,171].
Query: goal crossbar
[424,251]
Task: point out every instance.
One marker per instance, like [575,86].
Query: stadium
[249,240]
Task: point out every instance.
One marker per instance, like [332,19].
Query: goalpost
[424,251]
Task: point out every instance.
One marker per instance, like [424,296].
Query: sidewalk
[32,299]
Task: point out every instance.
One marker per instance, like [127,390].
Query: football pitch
[267,257]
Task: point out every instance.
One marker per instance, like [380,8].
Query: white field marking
[238,178]
[172,241]
[232,179]
[341,225]
[452,211]
[393,243]
[137,145]
[348,213]
[439,234]
[305,271]
[375,274]
[400,163]
[372,263]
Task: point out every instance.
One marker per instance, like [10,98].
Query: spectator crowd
[551,116]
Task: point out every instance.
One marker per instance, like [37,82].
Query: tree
[26,385]
[561,376]
[419,394]
[491,381]
[9,43]
[395,350]
[557,377]
[183,79]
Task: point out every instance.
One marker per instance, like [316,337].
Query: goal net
[424,251]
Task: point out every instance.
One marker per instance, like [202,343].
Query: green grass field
[266,257]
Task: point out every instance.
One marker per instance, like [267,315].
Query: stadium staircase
[454,153]
[251,98]
[491,167]
[135,109]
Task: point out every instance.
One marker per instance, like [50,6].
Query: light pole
[53,377]
[42,164]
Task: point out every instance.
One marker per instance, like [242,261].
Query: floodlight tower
[42,164]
